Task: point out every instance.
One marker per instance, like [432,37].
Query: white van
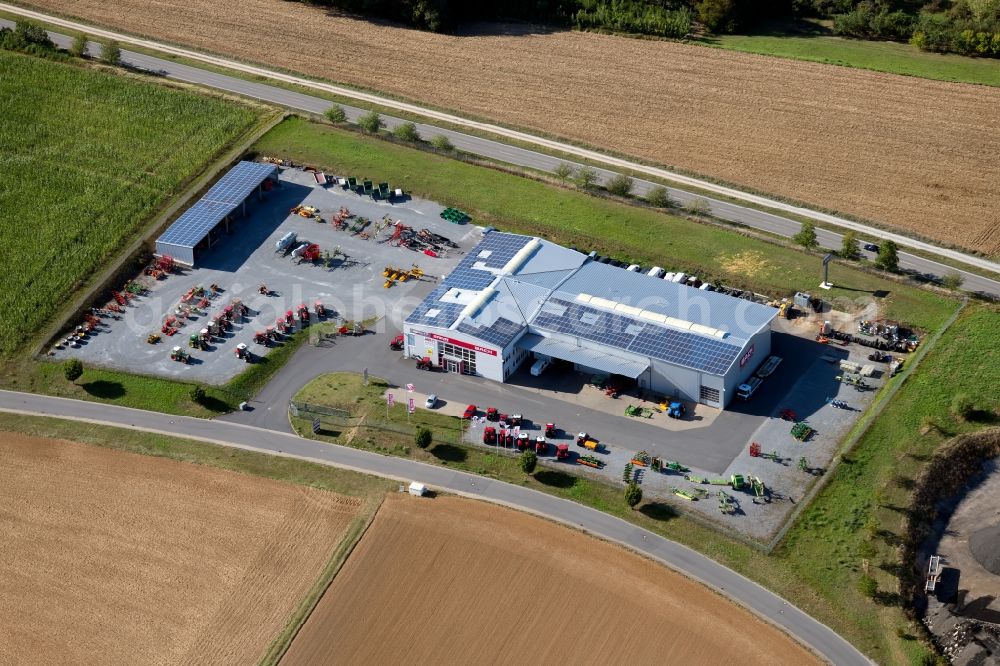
[418,489]
[540,366]
[669,277]
[679,278]
[633,268]
[655,271]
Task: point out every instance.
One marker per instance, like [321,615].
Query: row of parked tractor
[508,432]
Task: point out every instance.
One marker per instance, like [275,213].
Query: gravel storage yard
[916,154]
[117,558]
[449,580]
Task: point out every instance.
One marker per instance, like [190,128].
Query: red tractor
[505,418]
[523,441]
[260,338]
[490,435]
[289,318]
[311,253]
[509,438]
[541,446]
[562,452]
[550,429]
[320,310]
[424,363]
[303,313]
[470,411]
[397,343]
[243,353]
[492,414]
[516,419]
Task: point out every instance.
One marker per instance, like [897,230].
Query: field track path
[727,582]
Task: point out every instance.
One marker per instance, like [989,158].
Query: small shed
[418,489]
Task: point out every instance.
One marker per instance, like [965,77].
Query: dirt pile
[985,547]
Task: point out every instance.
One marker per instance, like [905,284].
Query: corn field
[86,158]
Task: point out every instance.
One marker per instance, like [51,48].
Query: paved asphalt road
[766,604]
[706,449]
[524,157]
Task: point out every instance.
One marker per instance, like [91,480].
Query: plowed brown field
[454,581]
[116,558]
[916,154]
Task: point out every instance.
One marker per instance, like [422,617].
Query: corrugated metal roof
[627,366]
[551,257]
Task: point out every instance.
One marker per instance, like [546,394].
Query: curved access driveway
[512,154]
[766,604]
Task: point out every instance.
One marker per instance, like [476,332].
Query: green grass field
[892,57]
[87,158]
[633,233]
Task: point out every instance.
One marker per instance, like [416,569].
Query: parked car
[470,411]
[540,366]
[432,401]
[871,247]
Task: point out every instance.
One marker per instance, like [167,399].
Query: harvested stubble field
[116,558]
[450,580]
[87,157]
[916,154]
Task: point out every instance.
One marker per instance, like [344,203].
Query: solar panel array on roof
[232,189]
[239,183]
[500,333]
[673,346]
[432,312]
[188,229]
[501,247]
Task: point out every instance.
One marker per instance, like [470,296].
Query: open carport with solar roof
[515,298]
[196,228]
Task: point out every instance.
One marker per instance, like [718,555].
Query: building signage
[747,356]
[462,343]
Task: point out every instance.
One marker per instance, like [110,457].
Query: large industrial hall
[515,298]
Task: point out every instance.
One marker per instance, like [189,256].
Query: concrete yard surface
[351,287]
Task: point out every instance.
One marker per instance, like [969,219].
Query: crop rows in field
[450,580]
[116,558]
[916,154]
[87,157]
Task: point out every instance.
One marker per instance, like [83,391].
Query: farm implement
[802,431]
[420,240]
[641,459]
[308,212]
[727,503]
[455,216]
[392,275]
[674,466]
[639,412]
[590,461]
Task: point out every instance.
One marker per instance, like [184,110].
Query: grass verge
[154,393]
[340,554]
[890,57]
[631,233]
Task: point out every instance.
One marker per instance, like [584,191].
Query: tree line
[970,27]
